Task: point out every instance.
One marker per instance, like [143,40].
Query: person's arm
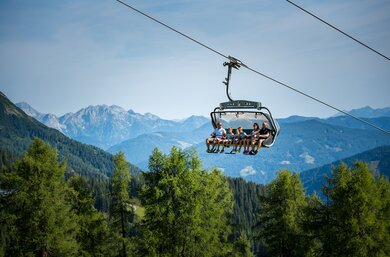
[264,135]
[223,133]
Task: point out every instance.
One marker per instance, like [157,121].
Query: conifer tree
[359,207]
[93,235]
[186,208]
[121,210]
[384,213]
[242,247]
[317,227]
[282,215]
[39,221]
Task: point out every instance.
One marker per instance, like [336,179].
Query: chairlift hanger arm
[233,63]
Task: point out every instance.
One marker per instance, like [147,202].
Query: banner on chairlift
[240,104]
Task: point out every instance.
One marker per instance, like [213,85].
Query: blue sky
[61,56]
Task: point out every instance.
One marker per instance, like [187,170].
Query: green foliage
[242,247]
[121,211]
[358,208]
[93,235]
[353,221]
[186,208]
[282,215]
[37,219]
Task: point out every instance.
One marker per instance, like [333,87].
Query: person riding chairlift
[263,134]
[217,136]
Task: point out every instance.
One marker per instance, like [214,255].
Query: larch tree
[186,208]
[281,216]
[93,235]
[359,206]
[121,209]
[39,221]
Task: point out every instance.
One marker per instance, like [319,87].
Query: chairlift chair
[244,113]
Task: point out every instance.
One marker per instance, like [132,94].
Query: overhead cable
[339,30]
[253,70]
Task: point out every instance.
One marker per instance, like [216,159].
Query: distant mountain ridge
[17,130]
[368,112]
[377,158]
[105,126]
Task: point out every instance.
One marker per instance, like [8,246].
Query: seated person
[228,139]
[251,140]
[263,134]
[216,137]
[238,139]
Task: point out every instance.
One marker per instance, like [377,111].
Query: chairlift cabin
[243,113]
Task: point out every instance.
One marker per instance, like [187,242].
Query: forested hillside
[17,131]
[377,158]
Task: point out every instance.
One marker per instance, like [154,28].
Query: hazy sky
[61,56]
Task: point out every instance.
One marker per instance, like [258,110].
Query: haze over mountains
[304,142]
[105,126]
[17,130]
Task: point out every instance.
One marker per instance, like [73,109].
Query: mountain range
[105,126]
[17,130]
[368,112]
[304,142]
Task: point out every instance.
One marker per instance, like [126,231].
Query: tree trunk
[123,232]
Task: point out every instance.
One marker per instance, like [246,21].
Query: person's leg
[259,145]
[252,145]
[218,143]
[223,143]
[208,144]
[246,146]
[240,142]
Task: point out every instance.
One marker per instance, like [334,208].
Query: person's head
[239,129]
[255,126]
[230,130]
[219,124]
[264,124]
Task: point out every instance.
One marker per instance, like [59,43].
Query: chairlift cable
[318,100]
[253,70]
[339,30]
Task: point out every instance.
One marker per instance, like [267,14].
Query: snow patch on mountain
[307,157]
[248,170]
[183,144]
[334,149]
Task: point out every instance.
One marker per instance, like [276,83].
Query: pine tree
[121,211]
[282,215]
[359,208]
[384,213]
[39,221]
[317,227]
[93,235]
[186,208]
[242,247]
